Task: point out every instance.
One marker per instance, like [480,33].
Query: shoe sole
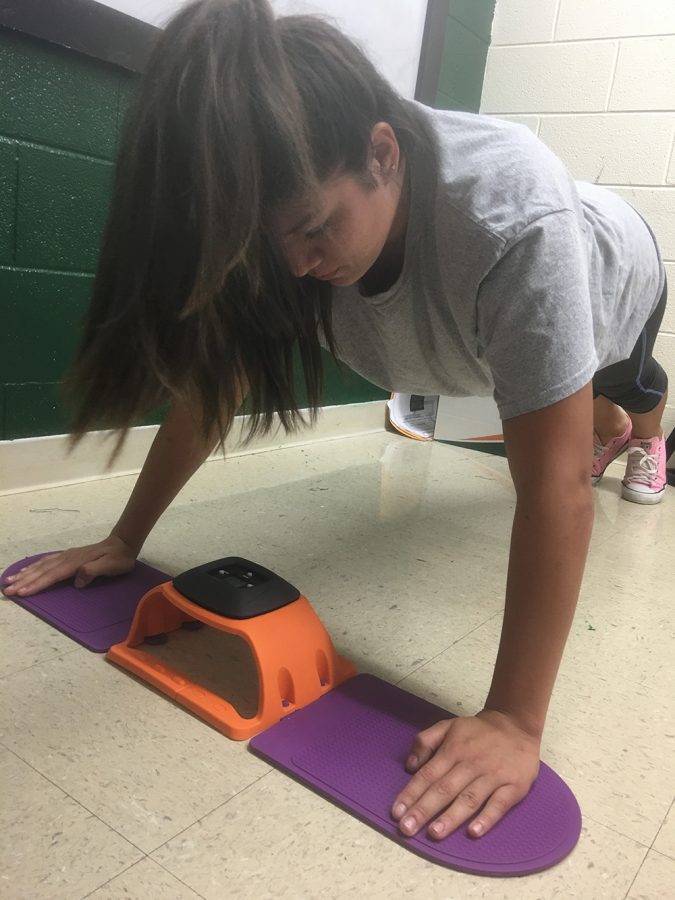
[640,497]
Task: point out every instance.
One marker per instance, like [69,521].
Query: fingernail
[477,828]
[408,823]
[399,809]
[437,828]
[9,578]
[412,761]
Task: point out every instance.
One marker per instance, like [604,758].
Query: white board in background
[156,12]
[390,31]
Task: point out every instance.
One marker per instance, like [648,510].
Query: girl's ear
[384,151]
[374,165]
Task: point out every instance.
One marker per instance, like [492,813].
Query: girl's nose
[304,263]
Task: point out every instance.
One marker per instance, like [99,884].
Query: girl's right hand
[109,557]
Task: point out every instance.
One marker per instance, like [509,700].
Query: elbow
[572,497]
[584,502]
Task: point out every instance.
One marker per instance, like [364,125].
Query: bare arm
[493,758]
[178,450]
[550,454]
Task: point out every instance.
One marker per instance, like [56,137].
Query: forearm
[177,452]
[549,544]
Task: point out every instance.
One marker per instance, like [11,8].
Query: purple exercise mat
[351,745]
[96,616]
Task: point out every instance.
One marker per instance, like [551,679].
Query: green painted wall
[467,38]
[59,118]
[60,114]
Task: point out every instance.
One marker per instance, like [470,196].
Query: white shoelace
[642,466]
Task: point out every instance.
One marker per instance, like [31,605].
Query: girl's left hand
[462,763]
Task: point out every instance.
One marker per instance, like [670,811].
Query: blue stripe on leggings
[643,336]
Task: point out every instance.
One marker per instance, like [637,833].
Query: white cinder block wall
[595,79]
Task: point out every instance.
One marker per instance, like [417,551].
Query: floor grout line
[74,799]
[660,829]
[105,883]
[90,812]
[145,855]
[449,647]
[244,790]
[156,863]
[616,831]
[210,812]
[173,875]
[637,875]
[38,662]
[645,847]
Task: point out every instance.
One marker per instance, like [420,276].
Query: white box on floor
[471,420]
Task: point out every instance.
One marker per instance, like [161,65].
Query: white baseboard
[33,463]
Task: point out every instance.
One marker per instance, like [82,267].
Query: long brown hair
[237,113]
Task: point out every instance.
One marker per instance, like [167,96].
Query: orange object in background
[293,652]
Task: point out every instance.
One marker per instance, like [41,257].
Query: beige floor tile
[622,627]
[614,743]
[42,515]
[51,847]
[612,740]
[617,634]
[402,548]
[88,510]
[643,527]
[278,839]
[655,880]
[386,606]
[393,478]
[142,764]
[145,881]
[467,492]
[610,506]
[665,841]
[458,679]
[619,567]
[277,526]
[274,507]
[26,640]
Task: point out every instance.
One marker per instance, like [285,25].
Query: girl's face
[338,234]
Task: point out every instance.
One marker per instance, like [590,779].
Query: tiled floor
[111,791]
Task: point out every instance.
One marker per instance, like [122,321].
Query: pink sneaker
[645,479]
[604,455]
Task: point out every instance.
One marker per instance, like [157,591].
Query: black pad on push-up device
[236,588]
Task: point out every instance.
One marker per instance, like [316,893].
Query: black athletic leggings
[636,384]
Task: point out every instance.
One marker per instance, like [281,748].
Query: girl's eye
[318,231]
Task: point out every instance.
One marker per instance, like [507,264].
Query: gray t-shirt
[517,280]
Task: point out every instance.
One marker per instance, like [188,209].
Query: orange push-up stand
[293,653]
